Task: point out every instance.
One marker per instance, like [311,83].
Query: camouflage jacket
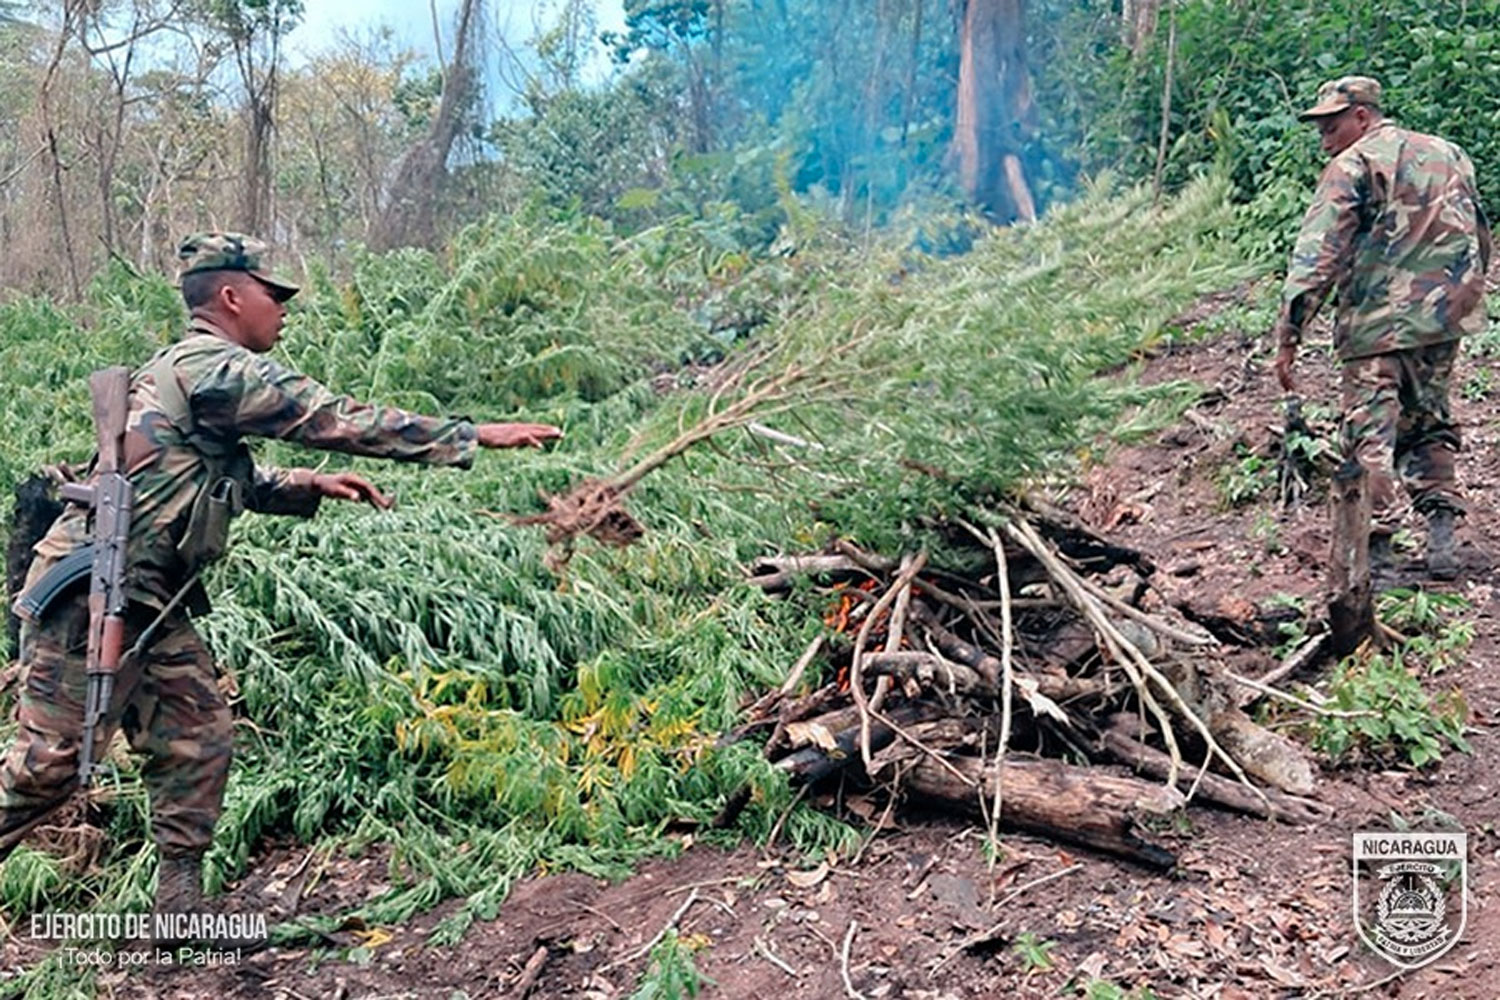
[1397,230]
[235,393]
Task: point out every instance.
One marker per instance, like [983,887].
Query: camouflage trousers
[167,702]
[1397,422]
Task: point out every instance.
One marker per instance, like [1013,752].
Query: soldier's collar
[201,326]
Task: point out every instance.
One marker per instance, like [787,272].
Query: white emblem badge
[1406,886]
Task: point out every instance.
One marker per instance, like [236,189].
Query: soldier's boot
[1442,559]
[180,907]
[179,890]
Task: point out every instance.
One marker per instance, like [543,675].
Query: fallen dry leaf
[808,879]
[1093,966]
[1286,977]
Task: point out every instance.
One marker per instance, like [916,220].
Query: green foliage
[1480,385]
[1398,719]
[1416,610]
[1309,449]
[855,110]
[1246,478]
[28,880]
[1033,951]
[1292,632]
[863,103]
[245,20]
[671,974]
[1242,72]
[860,105]
[421,678]
[1438,639]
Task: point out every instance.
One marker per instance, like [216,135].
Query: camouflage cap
[231,252]
[1345,92]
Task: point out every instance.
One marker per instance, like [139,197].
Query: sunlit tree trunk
[255,203]
[409,215]
[1138,23]
[994,108]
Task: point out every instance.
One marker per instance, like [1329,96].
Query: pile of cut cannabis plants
[974,689]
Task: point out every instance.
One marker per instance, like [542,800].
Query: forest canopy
[129,123]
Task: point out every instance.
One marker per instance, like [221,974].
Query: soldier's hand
[350,486]
[517,435]
[1286,357]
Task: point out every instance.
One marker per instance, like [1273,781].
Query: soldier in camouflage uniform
[190,409]
[1397,231]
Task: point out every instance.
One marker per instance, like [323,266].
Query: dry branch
[595,507]
[949,669]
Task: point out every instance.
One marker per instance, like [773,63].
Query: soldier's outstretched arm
[250,394]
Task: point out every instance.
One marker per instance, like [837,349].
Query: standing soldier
[1396,230]
[187,413]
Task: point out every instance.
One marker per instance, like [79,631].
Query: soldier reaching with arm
[1397,232]
[187,413]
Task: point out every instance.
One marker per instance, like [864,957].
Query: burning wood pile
[1000,693]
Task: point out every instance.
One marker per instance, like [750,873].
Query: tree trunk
[1138,24]
[908,99]
[409,215]
[811,764]
[994,108]
[49,136]
[1351,607]
[255,196]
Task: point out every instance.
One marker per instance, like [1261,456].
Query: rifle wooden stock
[112,504]
[110,390]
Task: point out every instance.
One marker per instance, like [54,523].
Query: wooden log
[1351,606]
[1119,743]
[1263,754]
[821,730]
[803,708]
[1080,805]
[813,763]
[1268,756]
[929,669]
[1235,621]
[1057,686]
[778,572]
[949,734]
[956,648]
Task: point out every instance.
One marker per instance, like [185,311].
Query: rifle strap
[148,634]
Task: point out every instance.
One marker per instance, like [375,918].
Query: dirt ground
[1256,910]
